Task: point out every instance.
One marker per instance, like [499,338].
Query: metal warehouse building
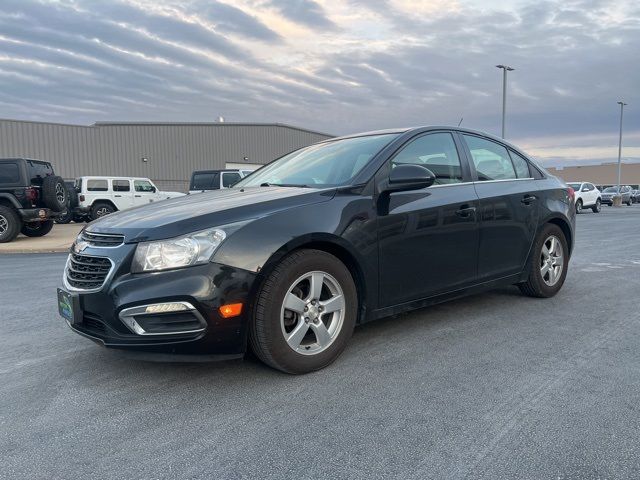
[165,152]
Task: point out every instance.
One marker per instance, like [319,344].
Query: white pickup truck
[99,196]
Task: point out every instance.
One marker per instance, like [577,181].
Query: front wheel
[548,265]
[597,207]
[305,313]
[64,217]
[37,229]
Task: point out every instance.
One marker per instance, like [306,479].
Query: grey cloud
[306,12]
[233,20]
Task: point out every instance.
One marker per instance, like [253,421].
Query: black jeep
[31,197]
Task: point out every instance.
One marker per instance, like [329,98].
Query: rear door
[428,239]
[509,206]
[122,193]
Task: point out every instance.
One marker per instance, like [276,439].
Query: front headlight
[193,249]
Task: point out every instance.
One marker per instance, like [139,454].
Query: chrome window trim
[127,314]
[481,182]
[107,278]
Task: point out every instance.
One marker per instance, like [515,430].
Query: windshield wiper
[299,185]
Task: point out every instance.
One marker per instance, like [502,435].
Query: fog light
[231,310]
[166,307]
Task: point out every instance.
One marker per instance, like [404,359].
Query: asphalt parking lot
[496,385]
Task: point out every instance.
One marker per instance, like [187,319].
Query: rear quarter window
[9,173]
[38,171]
[96,185]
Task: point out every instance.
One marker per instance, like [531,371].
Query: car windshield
[322,165]
[575,186]
[610,190]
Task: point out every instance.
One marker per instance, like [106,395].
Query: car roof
[25,159]
[217,170]
[98,177]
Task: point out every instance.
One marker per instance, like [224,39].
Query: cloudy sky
[333,66]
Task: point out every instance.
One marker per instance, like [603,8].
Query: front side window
[325,164]
[435,151]
[9,173]
[491,159]
[230,178]
[97,186]
[121,186]
[143,186]
[205,181]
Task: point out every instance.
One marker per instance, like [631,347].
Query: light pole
[622,104]
[505,69]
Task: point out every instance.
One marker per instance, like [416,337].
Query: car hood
[190,213]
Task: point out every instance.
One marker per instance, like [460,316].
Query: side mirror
[409,177]
[153,189]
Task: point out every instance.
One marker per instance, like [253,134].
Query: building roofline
[169,124]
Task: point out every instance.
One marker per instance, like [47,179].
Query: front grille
[102,239]
[87,273]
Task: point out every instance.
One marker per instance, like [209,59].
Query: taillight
[572,194]
[31,194]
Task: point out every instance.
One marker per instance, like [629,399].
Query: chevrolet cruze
[330,236]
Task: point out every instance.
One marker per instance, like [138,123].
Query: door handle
[118,196]
[465,211]
[138,196]
[528,199]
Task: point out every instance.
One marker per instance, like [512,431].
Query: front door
[428,239]
[144,193]
[508,207]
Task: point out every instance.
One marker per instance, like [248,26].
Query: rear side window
[9,173]
[38,171]
[121,186]
[435,151]
[491,159]
[97,186]
[229,178]
[206,181]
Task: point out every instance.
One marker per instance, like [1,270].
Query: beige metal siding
[172,151]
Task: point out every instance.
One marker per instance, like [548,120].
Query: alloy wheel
[551,260]
[101,212]
[4,225]
[60,193]
[312,313]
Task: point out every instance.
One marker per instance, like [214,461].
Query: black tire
[597,208]
[55,194]
[267,330]
[37,229]
[579,206]
[535,285]
[629,203]
[100,209]
[10,224]
[65,217]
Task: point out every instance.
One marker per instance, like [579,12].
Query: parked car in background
[31,197]
[635,196]
[610,192]
[335,234]
[100,196]
[587,196]
[205,180]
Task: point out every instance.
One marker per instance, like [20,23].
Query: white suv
[587,196]
[99,196]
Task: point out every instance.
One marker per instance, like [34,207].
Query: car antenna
[460,122]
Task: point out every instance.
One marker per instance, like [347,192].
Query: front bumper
[205,287]
[37,214]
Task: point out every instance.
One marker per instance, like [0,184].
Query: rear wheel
[548,265]
[597,207]
[305,313]
[629,203]
[101,209]
[10,224]
[579,206]
[65,217]
[37,229]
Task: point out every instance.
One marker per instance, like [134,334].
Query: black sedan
[336,234]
